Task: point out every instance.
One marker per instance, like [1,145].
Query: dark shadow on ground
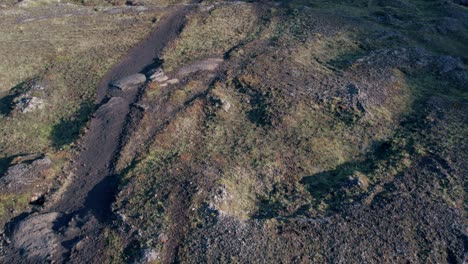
[100,198]
[5,164]
[327,185]
[6,102]
[156,64]
[321,184]
[68,129]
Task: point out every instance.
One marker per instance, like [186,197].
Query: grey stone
[36,238]
[129,82]
[24,175]
[29,104]
[158,75]
[149,256]
[226,105]
[461,2]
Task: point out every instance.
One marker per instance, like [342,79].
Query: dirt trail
[102,141]
[84,208]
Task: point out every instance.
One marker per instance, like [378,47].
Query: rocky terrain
[209,131]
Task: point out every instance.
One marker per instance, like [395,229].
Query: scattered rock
[157,75]
[129,82]
[36,238]
[29,104]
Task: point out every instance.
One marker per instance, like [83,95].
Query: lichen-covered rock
[32,98]
[30,104]
[24,175]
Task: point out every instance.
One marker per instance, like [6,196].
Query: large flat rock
[24,175]
[36,238]
[129,82]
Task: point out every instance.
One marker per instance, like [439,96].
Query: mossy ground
[316,103]
[292,138]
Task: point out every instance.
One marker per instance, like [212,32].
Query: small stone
[359,180]
[37,199]
[157,75]
[226,105]
[208,8]
[173,81]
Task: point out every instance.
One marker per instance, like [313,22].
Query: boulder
[111,106]
[129,82]
[36,238]
[24,175]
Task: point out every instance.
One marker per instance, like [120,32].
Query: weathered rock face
[24,175]
[36,238]
[129,82]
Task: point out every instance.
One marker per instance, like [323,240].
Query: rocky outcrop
[24,175]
